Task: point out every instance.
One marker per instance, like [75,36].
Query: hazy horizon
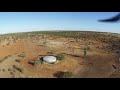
[12,22]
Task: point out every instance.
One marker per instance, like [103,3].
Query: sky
[38,21]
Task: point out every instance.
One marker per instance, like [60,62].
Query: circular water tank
[50,59]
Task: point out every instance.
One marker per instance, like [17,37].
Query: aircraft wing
[113,19]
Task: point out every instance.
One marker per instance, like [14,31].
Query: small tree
[17,60]
[50,53]
[60,57]
[3,70]
[85,52]
[61,74]
[67,74]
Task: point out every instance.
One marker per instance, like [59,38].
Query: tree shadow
[42,55]
[59,74]
[73,55]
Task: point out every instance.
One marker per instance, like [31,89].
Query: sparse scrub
[31,62]
[35,62]
[58,74]
[85,52]
[11,73]
[6,57]
[87,48]
[18,69]
[67,74]
[1,60]
[9,69]
[50,53]
[3,70]
[61,74]
[40,45]
[9,55]
[22,55]
[60,56]
[63,53]
[17,60]
[8,43]
[95,42]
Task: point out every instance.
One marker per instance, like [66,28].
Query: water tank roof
[49,59]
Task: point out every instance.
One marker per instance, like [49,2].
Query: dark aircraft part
[113,19]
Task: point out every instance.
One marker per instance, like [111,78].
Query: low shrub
[35,62]
[60,56]
[1,60]
[9,55]
[6,57]
[17,60]
[58,74]
[18,69]
[9,69]
[61,74]
[38,62]
[67,74]
[21,55]
[50,53]
[3,70]
[31,62]
[8,44]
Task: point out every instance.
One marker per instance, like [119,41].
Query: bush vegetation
[22,55]
[35,62]
[67,74]
[17,60]
[61,74]
[112,39]
[18,69]
[60,56]
[50,53]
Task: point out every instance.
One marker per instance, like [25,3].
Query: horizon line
[59,31]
